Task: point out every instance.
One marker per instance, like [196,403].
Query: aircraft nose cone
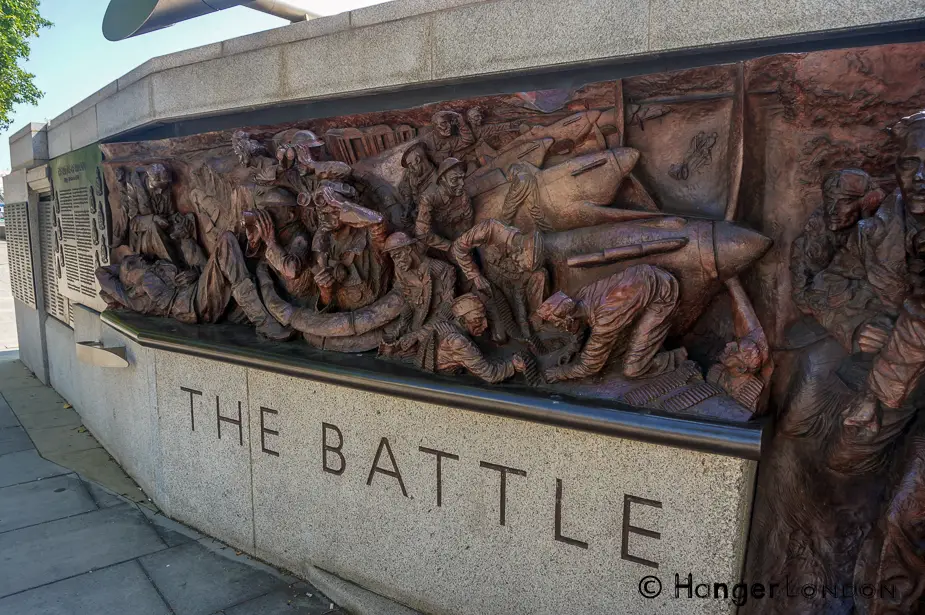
[626,158]
[736,248]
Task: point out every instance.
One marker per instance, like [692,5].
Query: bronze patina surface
[721,243]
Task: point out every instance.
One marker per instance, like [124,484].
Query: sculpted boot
[245,293]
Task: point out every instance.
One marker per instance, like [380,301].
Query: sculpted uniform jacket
[158,296]
[145,236]
[290,257]
[641,296]
[830,281]
[440,148]
[442,217]
[445,347]
[524,290]
[427,291]
[887,245]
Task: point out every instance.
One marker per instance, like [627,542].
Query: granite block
[59,139]
[205,461]
[131,106]
[171,60]
[401,9]
[133,436]
[90,101]
[301,30]
[119,590]
[826,15]
[42,501]
[241,80]
[15,188]
[63,369]
[61,118]
[59,549]
[84,128]
[31,346]
[380,56]
[392,536]
[117,405]
[136,74]
[519,34]
[87,324]
[29,146]
[695,23]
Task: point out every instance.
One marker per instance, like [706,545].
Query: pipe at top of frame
[127,18]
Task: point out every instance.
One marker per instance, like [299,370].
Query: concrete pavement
[69,546]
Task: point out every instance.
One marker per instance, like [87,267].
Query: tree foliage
[19,21]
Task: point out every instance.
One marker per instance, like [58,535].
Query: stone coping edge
[745,441]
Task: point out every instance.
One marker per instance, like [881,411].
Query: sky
[72,59]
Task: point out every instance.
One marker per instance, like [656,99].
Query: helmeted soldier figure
[159,289]
[427,284]
[277,223]
[451,136]
[419,174]
[829,281]
[445,210]
[634,305]
[446,345]
[513,273]
[347,257]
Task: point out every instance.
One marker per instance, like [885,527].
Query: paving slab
[14,439]
[119,590]
[28,400]
[97,465]
[26,466]
[14,376]
[103,497]
[197,581]
[59,417]
[41,554]
[172,532]
[42,501]
[68,439]
[297,599]
[353,598]
[7,418]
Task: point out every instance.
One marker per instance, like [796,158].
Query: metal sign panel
[19,247]
[81,228]
[56,304]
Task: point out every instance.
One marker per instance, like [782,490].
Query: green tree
[19,21]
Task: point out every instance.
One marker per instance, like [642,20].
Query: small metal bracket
[94,353]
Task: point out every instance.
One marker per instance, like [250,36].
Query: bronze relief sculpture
[726,242]
[534,217]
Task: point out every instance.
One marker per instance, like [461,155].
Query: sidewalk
[68,546]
